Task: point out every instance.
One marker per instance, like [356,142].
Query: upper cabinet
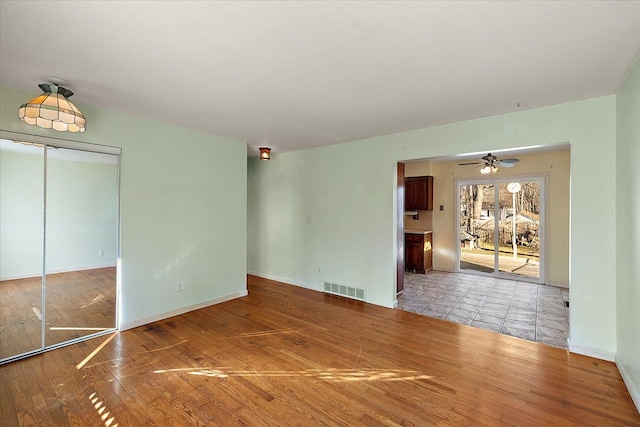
[418,193]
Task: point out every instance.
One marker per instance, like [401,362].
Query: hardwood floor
[287,356]
[78,303]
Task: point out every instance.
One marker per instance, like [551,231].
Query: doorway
[59,222]
[501,228]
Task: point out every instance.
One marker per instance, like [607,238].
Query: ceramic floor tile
[454,293]
[551,312]
[525,299]
[522,309]
[549,333]
[486,326]
[524,319]
[435,310]
[446,299]
[473,299]
[558,323]
[469,307]
[551,301]
[487,318]
[526,334]
[493,312]
[528,311]
[460,316]
[495,306]
[497,299]
[529,324]
[523,306]
[479,292]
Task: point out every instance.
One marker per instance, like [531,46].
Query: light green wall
[21,190]
[82,214]
[334,206]
[628,229]
[183,207]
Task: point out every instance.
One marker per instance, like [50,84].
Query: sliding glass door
[500,228]
[59,232]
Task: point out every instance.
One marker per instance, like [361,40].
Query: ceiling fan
[490,163]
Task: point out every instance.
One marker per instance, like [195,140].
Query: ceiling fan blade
[505,165]
[474,163]
[511,160]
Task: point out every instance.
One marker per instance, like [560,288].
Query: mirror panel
[21,246]
[81,244]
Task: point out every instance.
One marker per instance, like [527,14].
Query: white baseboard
[65,270]
[634,391]
[592,352]
[283,280]
[161,316]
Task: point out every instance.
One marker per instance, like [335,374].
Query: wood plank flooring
[74,301]
[287,356]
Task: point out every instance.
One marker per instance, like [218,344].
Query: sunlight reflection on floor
[102,411]
[330,374]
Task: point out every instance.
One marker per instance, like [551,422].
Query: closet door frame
[82,146]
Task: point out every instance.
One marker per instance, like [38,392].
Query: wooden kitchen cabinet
[418,255]
[418,193]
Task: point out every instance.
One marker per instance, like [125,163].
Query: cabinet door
[414,253]
[419,193]
[428,252]
[409,194]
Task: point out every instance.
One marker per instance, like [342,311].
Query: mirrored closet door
[21,247]
[59,209]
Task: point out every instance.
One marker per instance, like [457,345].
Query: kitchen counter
[418,231]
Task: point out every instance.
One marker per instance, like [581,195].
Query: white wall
[82,214]
[628,231]
[183,208]
[340,219]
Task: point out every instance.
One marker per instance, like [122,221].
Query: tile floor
[525,310]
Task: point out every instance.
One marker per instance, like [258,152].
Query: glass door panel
[21,246]
[519,230]
[499,228]
[81,244]
[477,224]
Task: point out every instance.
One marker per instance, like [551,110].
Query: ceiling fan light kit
[487,169]
[490,164]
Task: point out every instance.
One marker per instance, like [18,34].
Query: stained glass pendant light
[52,110]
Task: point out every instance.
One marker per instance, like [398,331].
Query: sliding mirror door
[81,244]
[59,210]
[21,247]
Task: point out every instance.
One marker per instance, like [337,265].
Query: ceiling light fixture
[265,153]
[52,110]
[35,144]
[487,169]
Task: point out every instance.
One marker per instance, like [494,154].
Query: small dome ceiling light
[265,153]
[52,110]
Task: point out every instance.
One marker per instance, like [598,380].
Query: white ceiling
[294,75]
